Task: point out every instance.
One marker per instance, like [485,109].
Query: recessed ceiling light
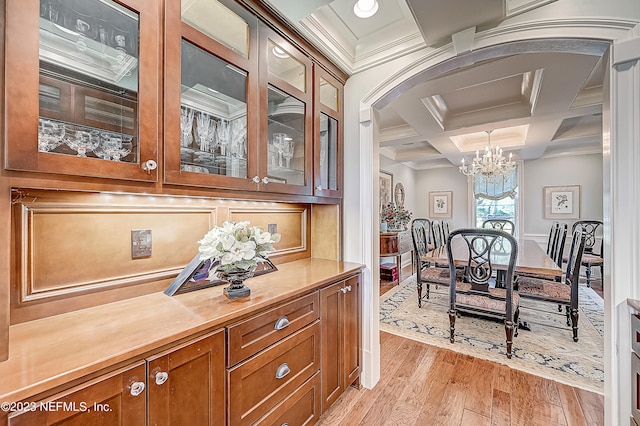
[279,52]
[365,8]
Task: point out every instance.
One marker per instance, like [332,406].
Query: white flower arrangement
[236,247]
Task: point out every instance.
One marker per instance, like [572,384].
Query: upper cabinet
[328,116]
[235,104]
[211,95]
[238,102]
[82,91]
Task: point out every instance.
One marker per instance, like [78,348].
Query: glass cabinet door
[210,129]
[328,135]
[90,98]
[288,137]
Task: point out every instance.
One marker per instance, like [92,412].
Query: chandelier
[493,166]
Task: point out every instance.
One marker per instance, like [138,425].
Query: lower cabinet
[340,319]
[186,384]
[183,386]
[117,398]
[282,366]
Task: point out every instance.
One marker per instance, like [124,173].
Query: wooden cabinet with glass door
[328,116]
[82,90]
[211,94]
[286,96]
[237,102]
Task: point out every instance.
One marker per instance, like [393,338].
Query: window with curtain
[496,199]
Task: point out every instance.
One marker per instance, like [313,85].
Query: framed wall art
[386,188]
[562,202]
[440,204]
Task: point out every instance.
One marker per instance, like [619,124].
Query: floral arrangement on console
[396,217]
[235,248]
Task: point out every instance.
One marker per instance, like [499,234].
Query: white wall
[404,175]
[444,179]
[583,170]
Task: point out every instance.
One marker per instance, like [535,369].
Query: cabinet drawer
[302,407]
[253,335]
[405,243]
[260,383]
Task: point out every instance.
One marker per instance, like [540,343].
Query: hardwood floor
[425,385]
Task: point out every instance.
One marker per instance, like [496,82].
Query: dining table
[531,259]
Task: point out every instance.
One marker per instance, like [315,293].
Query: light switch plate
[272,228]
[140,243]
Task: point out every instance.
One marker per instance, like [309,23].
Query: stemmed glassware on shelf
[203,127]
[82,140]
[223,135]
[278,144]
[238,137]
[186,126]
[50,135]
[288,150]
[113,146]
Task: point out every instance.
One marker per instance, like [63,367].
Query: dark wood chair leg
[419,294]
[588,271]
[508,328]
[574,323]
[516,322]
[452,325]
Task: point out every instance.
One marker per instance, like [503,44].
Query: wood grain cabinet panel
[260,383]
[255,334]
[117,398]
[186,384]
[340,319]
[301,408]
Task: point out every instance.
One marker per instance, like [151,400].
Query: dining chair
[426,223]
[502,224]
[445,231]
[564,293]
[555,249]
[474,293]
[426,274]
[590,260]
[436,234]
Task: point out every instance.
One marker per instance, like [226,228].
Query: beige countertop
[53,351]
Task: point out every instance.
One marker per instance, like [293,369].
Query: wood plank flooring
[425,385]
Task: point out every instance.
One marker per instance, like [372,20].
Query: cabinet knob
[255,179]
[137,388]
[319,188]
[348,288]
[161,377]
[149,165]
[282,322]
[344,290]
[266,180]
[282,371]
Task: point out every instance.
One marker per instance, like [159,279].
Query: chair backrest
[553,234]
[557,246]
[436,234]
[426,223]
[501,224]
[445,231]
[419,237]
[578,243]
[481,243]
[589,229]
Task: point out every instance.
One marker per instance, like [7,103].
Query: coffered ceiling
[537,105]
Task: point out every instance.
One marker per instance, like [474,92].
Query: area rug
[547,350]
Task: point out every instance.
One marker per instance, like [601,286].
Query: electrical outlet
[272,228]
[140,243]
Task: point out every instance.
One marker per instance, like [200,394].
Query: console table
[395,244]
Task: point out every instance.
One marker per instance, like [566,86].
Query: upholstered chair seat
[495,302]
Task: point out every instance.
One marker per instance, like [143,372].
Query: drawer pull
[285,424]
[283,322]
[348,288]
[137,388]
[344,290]
[282,371]
[161,377]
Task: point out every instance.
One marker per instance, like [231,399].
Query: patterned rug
[548,350]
